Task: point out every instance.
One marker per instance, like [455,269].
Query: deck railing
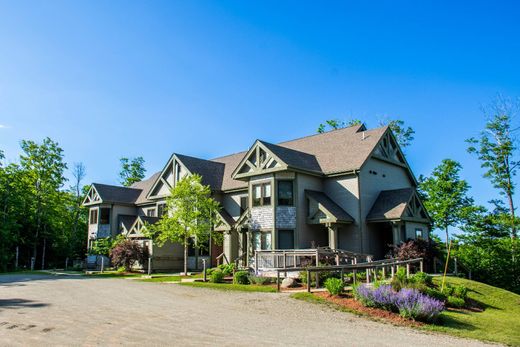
[294,258]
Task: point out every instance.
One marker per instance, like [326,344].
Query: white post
[204,269]
[102,263]
[149,266]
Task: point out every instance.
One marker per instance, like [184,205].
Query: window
[191,247]
[285,193]
[177,172]
[93,216]
[203,248]
[150,212]
[261,240]
[262,194]
[418,233]
[104,216]
[285,239]
[161,210]
[243,204]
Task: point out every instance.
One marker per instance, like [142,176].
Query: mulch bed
[351,304]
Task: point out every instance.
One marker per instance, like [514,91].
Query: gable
[415,209]
[167,178]
[258,160]
[92,197]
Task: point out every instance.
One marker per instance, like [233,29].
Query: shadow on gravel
[20,303]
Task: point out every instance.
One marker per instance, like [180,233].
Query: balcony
[97,231]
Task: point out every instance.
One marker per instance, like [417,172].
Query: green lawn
[112,274]
[232,287]
[499,322]
[163,279]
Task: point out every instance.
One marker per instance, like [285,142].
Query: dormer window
[285,193]
[262,194]
[150,212]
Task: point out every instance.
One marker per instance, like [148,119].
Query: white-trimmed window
[418,233]
[261,240]
[93,216]
[150,212]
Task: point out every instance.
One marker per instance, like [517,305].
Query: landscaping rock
[288,283]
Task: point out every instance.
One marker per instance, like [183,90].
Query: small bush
[128,252]
[414,305]
[210,271]
[241,277]
[217,277]
[455,302]
[323,276]
[460,292]
[259,280]
[334,286]
[400,280]
[422,279]
[227,269]
[120,269]
[436,294]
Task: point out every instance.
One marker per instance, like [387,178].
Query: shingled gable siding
[286,217]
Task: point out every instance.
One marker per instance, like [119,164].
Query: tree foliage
[38,216]
[131,170]
[497,150]
[445,196]
[403,134]
[128,252]
[191,214]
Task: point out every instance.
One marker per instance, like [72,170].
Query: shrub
[241,277]
[460,292]
[120,269]
[217,276]
[210,271]
[422,278]
[323,276]
[414,305]
[227,269]
[364,294]
[335,286]
[126,253]
[400,280]
[455,302]
[259,280]
[436,294]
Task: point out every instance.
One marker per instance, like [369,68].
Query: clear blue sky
[108,79]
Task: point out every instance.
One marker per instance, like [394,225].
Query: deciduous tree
[131,170]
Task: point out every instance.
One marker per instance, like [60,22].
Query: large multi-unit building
[348,189]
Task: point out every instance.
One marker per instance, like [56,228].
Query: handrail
[354,267]
[219,257]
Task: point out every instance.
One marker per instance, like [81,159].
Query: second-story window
[262,194]
[285,193]
[104,216]
[150,212]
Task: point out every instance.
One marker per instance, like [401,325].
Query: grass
[231,287]
[112,274]
[499,322]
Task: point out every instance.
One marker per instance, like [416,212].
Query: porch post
[333,236]
[396,233]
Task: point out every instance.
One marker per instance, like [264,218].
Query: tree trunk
[512,211]
[185,256]
[447,239]
[43,253]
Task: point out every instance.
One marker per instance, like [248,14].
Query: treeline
[42,222]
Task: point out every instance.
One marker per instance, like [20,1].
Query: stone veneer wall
[262,217]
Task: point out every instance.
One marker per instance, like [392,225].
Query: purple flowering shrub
[410,303]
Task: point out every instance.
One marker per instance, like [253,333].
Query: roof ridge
[323,133]
[111,185]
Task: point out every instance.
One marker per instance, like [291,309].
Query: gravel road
[80,311]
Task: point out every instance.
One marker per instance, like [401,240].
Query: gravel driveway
[75,310]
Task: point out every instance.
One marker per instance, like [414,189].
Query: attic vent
[363,136]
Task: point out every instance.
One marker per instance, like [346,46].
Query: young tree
[497,150]
[445,196]
[131,171]
[191,213]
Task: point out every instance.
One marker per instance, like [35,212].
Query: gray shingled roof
[226,217]
[390,204]
[145,187]
[116,194]
[212,172]
[336,151]
[294,158]
[340,214]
